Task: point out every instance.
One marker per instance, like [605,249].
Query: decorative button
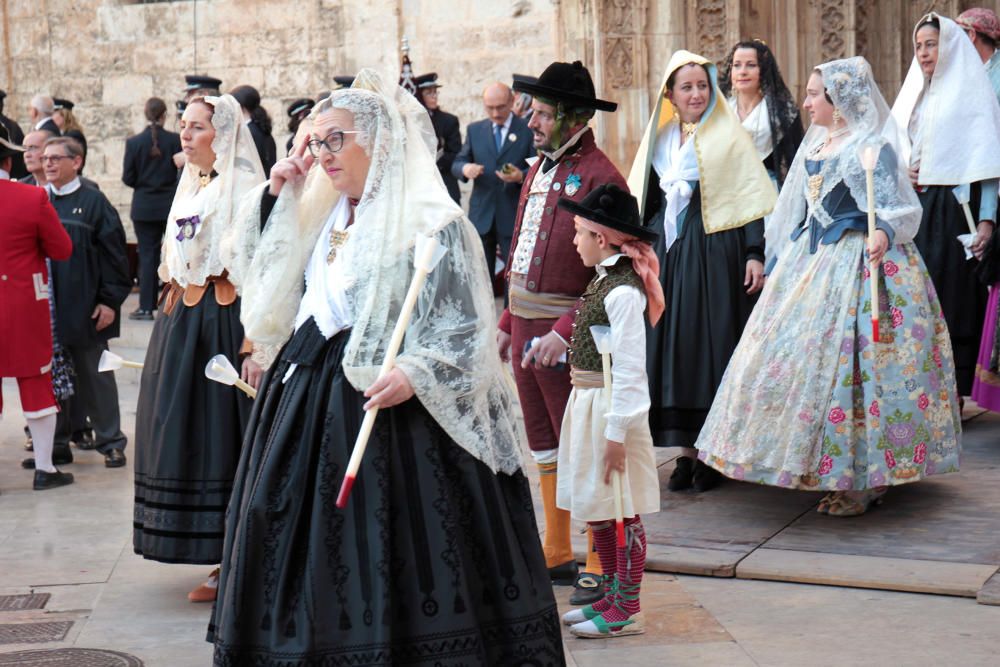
[531,284]
[537,261]
[543,235]
[557,186]
[3,277]
[548,210]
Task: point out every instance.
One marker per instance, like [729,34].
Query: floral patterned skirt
[810,402]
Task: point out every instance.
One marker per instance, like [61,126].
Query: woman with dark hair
[752,83]
[148,169]
[703,188]
[297,112]
[188,429]
[818,396]
[259,122]
[952,127]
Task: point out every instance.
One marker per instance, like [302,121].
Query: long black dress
[188,434]
[963,297]
[435,560]
[706,309]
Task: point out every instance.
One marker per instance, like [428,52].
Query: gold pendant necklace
[337,240]
[689,129]
[204,179]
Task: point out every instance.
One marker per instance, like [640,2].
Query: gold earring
[836,116]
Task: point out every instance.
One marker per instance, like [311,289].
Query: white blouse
[325,298]
[758,124]
[626,307]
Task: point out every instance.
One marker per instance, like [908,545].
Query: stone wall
[109,56]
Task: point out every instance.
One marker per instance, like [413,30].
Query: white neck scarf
[676,165]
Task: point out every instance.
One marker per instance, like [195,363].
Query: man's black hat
[7,147]
[181,106]
[612,207]
[300,105]
[569,83]
[60,103]
[524,78]
[197,82]
[343,81]
[426,81]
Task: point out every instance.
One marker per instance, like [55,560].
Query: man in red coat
[30,231]
[545,278]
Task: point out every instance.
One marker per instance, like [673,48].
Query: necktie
[498,136]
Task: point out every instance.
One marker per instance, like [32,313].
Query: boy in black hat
[605,430]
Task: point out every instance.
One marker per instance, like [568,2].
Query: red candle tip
[345,491]
[875,336]
[620,528]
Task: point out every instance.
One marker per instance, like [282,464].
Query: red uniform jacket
[556,268]
[30,231]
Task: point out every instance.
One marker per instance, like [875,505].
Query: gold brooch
[815,185]
[689,129]
[204,179]
[337,240]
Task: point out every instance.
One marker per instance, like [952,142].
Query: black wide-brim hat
[612,207]
[569,83]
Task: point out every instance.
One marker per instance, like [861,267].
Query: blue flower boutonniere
[573,182]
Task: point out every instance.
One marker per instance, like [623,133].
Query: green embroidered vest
[590,311]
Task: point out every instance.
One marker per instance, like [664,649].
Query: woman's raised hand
[292,168]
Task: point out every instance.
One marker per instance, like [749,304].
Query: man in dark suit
[445,127]
[148,168]
[494,156]
[17,169]
[41,110]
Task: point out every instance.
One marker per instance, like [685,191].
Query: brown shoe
[207,590]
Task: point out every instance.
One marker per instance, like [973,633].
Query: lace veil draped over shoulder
[238,167]
[449,353]
[851,86]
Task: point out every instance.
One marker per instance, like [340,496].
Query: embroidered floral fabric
[533,210]
[809,402]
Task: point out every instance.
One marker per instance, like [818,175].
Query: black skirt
[436,559]
[188,434]
[706,309]
[963,298]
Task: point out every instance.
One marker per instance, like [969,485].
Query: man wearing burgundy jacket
[545,278]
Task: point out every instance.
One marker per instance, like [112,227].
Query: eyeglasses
[55,158]
[333,142]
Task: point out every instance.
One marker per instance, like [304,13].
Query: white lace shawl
[758,124]
[959,117]
[852,88]
[238,167]
[449,353]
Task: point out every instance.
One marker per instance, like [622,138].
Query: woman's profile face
[691,92]
[819,108]
[926,48]
[745,73]
[197,133]
[348,166]
[59,119]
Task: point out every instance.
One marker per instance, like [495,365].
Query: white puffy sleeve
[626,306]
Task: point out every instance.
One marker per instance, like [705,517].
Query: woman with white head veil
[436,558]
[188,428]
[700,183]
[951,129]
[809,401]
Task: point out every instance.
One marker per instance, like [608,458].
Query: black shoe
[141,314]
[705,477]
[84,439]
[61,455]
[680,478]
[50,480]
[29,445]
[114,458]
[589,589]
[563,575]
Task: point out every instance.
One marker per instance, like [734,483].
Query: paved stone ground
[75,544]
